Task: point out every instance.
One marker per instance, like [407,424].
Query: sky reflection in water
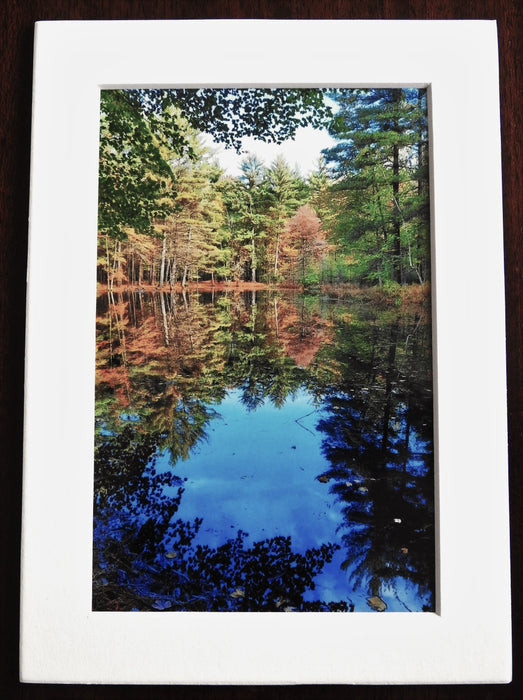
[258,472]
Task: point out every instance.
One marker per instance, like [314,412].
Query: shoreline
[206,286]
[397,295]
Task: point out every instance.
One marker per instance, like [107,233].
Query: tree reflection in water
[379,445]
[164,365]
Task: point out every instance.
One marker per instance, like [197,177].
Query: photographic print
[270,392]
[264,390]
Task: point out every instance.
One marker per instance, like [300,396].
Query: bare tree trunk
[253,259]
[120,276]
[276,254]
[162,263]
[109,278]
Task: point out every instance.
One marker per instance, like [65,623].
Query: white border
[469,640]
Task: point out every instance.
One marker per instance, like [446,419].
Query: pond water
[263,451]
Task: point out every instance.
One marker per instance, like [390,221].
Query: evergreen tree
[380,164]
[282,198]
[251,208]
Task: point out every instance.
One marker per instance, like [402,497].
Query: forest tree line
[168,214]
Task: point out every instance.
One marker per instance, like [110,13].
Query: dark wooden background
[17,18]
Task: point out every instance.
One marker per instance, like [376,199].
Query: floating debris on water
[376,603]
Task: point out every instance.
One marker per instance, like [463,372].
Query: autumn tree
[305,239]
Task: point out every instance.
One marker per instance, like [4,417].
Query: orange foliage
[300,333]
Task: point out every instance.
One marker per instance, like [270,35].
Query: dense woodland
[169,216]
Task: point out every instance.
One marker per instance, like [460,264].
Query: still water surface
[263,451]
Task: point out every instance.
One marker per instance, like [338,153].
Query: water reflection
[303,421]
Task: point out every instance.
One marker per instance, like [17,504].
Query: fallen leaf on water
[323,478]
[376,603]
[171,555]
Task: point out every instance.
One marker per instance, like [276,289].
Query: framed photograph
[264,372]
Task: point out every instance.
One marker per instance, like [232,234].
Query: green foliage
[229,114]
[335,269]
[133,174]
[380,173]
[283,197]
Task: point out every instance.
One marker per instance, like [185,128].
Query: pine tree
[282,200]
[251,208]
[380,166]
